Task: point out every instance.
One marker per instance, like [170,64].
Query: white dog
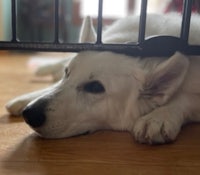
[151,98]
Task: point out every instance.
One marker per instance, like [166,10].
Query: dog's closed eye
[94,87]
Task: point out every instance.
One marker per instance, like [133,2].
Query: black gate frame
[153,46]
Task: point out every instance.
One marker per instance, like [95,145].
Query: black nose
[34,114]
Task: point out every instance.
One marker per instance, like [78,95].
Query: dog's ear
[87,32]
[165,80]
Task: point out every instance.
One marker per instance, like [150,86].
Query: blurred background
[35,19]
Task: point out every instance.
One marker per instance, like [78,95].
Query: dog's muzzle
[34,113]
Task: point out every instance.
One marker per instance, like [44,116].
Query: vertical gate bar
[14,33]
[99,26]
[56,23]
[142,24]
[185,27]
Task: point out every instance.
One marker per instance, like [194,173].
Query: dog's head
[104,90]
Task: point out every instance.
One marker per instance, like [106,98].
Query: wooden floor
[103,153]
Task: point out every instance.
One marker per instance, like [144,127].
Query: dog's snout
[34,114]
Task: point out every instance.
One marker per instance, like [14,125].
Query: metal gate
[165,45]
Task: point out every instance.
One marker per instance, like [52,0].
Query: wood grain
[22,152]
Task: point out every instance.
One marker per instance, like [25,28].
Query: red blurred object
[177,5]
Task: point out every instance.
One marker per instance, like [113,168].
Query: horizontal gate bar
[164,45]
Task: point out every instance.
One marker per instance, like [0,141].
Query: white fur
[151,98]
